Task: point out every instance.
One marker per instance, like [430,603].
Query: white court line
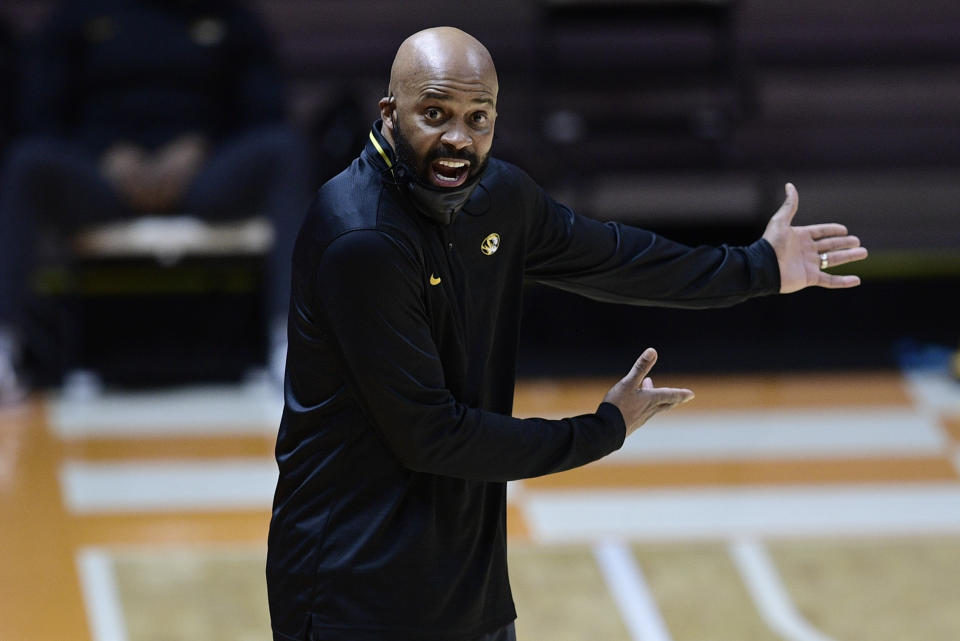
[100,595]
[731,513]
[515,492]
[794,434]
[200,410]
[821,433]
[629,589]
[157,486]
[934,390]
[771,597]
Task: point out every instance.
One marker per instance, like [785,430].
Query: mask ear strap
[383,154]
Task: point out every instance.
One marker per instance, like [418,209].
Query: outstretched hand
[636,397]
[803,253]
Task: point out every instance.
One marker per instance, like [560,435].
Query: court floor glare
[798,507]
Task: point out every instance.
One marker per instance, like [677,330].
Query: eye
[480,118]
[432,113]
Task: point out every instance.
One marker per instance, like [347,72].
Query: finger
[844,256]
[790,204]
[670,396]
[835,243]
[643,365]
[825,230]
[833,281]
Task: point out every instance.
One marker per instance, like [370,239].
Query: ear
[387,107]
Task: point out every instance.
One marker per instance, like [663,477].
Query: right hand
[636,397]
[174,166]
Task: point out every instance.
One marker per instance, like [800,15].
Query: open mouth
[449,172]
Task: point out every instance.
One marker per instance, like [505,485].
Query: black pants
[49,183]
[506,633]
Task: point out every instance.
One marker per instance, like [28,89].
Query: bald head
[441,108]
[442,54]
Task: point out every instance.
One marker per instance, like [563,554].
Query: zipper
[457,280]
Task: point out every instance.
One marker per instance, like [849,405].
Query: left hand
[804,252]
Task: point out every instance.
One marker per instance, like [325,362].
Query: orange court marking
[151,447]
[738,473]
[517,527]
[951,424]
[249,526]
[536,397]
[39,589]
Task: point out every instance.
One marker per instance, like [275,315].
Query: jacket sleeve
[371,292]
[618,263]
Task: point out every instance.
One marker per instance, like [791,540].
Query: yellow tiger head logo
[490,244]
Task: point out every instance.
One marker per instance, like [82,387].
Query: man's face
[444,130]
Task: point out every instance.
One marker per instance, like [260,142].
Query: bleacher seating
[686,116]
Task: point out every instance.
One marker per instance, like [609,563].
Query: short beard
[420,169]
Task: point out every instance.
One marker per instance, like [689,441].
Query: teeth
[445,179]
[455,164]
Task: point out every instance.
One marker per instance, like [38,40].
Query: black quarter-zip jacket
[396,439]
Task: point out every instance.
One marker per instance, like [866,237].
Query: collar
[438,204]
[379,151]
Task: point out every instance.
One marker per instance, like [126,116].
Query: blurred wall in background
[687,118]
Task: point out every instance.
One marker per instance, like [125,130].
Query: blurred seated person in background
[9,390]
[149,106]
[8,84]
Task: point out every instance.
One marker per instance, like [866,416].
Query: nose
[457,136]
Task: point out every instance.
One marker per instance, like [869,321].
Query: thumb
[642,367]
[790,204]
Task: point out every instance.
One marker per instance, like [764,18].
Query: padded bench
[157,299]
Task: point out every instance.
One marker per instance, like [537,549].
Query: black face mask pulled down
[436,203]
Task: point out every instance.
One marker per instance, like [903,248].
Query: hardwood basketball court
[805,507]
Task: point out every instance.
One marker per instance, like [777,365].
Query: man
[396,441]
